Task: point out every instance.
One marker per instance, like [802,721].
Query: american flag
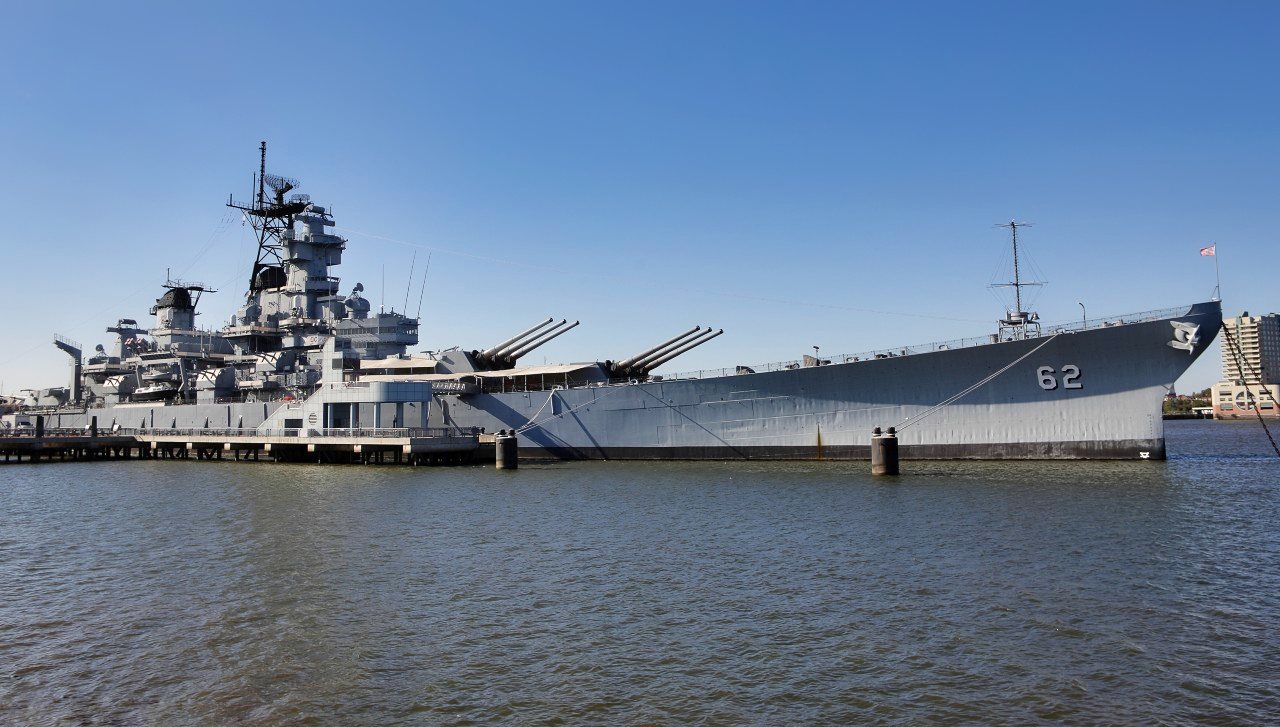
[1209,251]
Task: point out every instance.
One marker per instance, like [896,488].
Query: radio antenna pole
[409,285]
[423,290]
[1017,274]
[262,173]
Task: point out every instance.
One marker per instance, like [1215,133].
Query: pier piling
[506,451]
[884,452]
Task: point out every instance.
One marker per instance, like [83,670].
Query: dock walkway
[434,446]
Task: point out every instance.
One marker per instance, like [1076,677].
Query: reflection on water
[641,592]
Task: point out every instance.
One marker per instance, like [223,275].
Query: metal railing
[360,432]
[53,432]
[143,432]
[1045,330]
[531,384]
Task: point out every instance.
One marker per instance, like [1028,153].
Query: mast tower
[270,217]
[1017,323]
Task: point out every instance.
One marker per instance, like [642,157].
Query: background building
[1251,377]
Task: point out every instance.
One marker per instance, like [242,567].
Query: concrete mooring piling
[506,450]
[884,452]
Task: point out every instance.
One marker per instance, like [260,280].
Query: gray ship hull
[829,411]
[1106,406]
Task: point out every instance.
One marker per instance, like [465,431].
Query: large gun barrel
[623,366]
[492,352]
[555,331]
[643,364]
[655,363]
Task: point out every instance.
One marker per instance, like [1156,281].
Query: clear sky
[799,174]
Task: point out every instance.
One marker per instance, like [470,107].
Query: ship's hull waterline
[829,412]
[1101,401]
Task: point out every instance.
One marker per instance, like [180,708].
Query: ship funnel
[623,367]
[655,363]
[493,352]
[554,332]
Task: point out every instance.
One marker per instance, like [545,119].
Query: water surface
[719,593]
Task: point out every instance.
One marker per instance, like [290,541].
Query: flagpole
[1217,278]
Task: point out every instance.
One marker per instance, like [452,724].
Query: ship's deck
[1045,331]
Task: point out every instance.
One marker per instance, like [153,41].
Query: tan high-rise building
[1251,374]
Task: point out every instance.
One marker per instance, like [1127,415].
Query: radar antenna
[280,185]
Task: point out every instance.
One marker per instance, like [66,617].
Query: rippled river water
[717,593]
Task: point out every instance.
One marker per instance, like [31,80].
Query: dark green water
[606,593]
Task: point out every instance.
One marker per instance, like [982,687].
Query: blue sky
[797,173]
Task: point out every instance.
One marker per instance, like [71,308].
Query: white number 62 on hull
[1070,377]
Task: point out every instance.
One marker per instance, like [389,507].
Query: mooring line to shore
[1240,359]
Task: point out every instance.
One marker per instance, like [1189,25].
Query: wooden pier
[78,446]
[332,446]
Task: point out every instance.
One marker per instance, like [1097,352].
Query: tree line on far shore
[1183,404]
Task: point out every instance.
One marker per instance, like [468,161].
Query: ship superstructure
[299,355]
[272,346]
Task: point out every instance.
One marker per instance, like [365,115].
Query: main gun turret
[505,354]
[644,362]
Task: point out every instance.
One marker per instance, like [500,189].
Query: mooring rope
[983,382]
[1240,360]
[531,425]
[529,421]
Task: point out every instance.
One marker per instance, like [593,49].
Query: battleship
[299,356]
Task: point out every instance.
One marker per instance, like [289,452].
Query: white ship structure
[301,356]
